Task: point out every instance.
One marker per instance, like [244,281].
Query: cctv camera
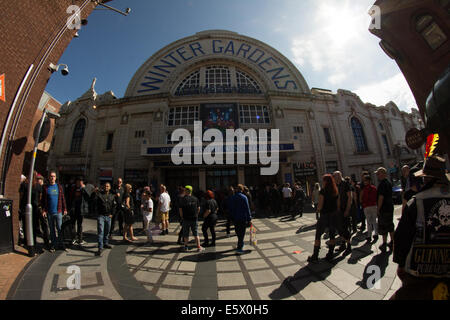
[65,71]
[127,10]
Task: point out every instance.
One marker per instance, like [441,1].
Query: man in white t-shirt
[147,212]
[163,210]
[287,195]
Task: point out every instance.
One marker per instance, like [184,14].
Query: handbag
[253,240]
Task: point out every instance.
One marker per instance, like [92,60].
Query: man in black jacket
[422,238]
[105,203]
[79,209]
[118,213]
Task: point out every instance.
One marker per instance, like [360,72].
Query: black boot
[330,254]
[315,255]
[342,247]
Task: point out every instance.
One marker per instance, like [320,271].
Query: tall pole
[29,207]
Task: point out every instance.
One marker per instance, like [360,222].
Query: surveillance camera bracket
[97,3]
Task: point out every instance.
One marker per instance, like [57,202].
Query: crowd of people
[58,211]
[341,204]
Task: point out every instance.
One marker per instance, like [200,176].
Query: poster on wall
[220,116]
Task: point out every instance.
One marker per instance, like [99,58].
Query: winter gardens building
[225,80]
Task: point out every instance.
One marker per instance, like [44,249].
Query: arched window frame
[190,84]
[78,135]
[359,135]
[245,82]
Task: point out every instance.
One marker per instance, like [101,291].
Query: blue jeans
[103,226]
[55,220]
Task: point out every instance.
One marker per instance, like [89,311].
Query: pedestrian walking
[353,213]
[328,208]
[275,200]
[369,203]
[118,214]
[210,219]
[105,204]
[227,209]
[163,209]
[39,222]
[128,213]
[54,207]
[250,198]
[241,215]
[287,196]
[147,214]
[299,198]
[385,209]
[315,198]
[79,208]
[343,218]
[179,198]
[189,211]
[422,238]
[362,216]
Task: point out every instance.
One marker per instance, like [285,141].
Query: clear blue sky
[327,40]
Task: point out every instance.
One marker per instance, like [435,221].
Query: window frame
[78,136]
[359,136]
[327,134]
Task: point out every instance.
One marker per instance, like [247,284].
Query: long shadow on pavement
[303,277]
[381,261]
[211,256]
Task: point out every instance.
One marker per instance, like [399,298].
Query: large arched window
[77,137]
[190,85]
[358,133]
[246,83]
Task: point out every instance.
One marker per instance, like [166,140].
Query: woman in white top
[147,213]
[315,198]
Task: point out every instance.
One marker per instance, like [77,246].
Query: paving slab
[161,270]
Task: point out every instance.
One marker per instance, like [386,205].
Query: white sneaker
[201,249]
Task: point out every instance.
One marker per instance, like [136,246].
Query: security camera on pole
[29,209]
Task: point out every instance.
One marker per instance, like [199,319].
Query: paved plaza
[275,269]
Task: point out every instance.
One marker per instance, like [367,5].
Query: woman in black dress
[328,207]
[128,213]
[210,215]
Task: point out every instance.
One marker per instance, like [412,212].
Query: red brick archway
[33,34]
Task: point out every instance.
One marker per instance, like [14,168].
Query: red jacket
[61,199]
[369,197]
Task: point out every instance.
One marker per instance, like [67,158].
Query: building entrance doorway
[221,179]
[180,177]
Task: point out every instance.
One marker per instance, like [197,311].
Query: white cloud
[336,40]
[394,89]
[338,47]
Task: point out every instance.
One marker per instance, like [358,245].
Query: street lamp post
[29,207]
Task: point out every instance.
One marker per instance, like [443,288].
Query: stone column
[202,179]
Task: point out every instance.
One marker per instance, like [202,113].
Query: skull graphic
[444,215]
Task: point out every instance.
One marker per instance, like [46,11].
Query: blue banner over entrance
[164,151]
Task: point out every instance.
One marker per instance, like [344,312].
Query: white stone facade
[227,69]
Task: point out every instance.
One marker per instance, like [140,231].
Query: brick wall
[28,29]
